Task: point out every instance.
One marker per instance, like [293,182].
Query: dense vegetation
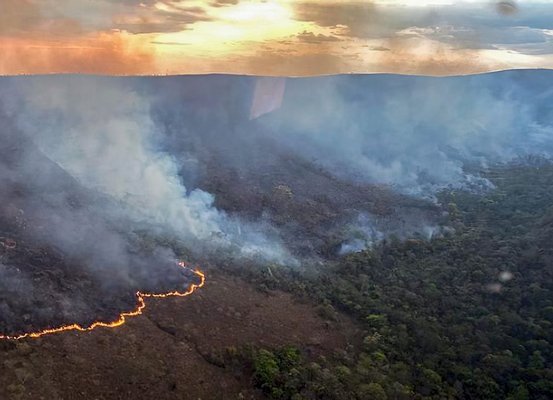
[468,315]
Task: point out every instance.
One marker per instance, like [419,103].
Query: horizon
[232,74]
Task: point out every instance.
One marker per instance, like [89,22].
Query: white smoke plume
[100,131]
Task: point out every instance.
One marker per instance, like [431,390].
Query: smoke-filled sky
[273,37]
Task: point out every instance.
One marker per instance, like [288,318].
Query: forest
[465,315]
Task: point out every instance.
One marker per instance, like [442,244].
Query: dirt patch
[167,352]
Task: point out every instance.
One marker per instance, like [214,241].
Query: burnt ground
[170,352]
[64,261]
[311,208]
[253,174]
[43,286]
[65,257]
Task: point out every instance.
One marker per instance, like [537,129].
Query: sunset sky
[273,37]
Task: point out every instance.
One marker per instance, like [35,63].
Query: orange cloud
[271,37]
[17,15]
[114,54]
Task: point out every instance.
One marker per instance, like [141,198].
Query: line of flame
[122,317]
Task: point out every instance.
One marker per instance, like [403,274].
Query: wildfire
[122,317]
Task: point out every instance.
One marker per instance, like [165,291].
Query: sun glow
[232,26]
[257,12]
[282,37]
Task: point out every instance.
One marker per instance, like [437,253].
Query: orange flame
[122,317]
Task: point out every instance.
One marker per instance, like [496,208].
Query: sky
[273,37]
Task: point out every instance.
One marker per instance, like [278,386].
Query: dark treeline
[467,316]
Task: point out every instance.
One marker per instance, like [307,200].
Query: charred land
[362,236]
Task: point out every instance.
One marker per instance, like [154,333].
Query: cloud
[466,26]
[223,3]
[170,19]
[221,35]
[361,19]
[17,16]
[113,54]
[310,37]
[29,18]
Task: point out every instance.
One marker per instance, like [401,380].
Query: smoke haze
[104,179]
[182,155]
[416,134]
[101,133]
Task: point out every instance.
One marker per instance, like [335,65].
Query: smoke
[100,131]
[102,135]
[135,143]
[416,134]
[315,136]
[95,167]
[362,234]
[368,230]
